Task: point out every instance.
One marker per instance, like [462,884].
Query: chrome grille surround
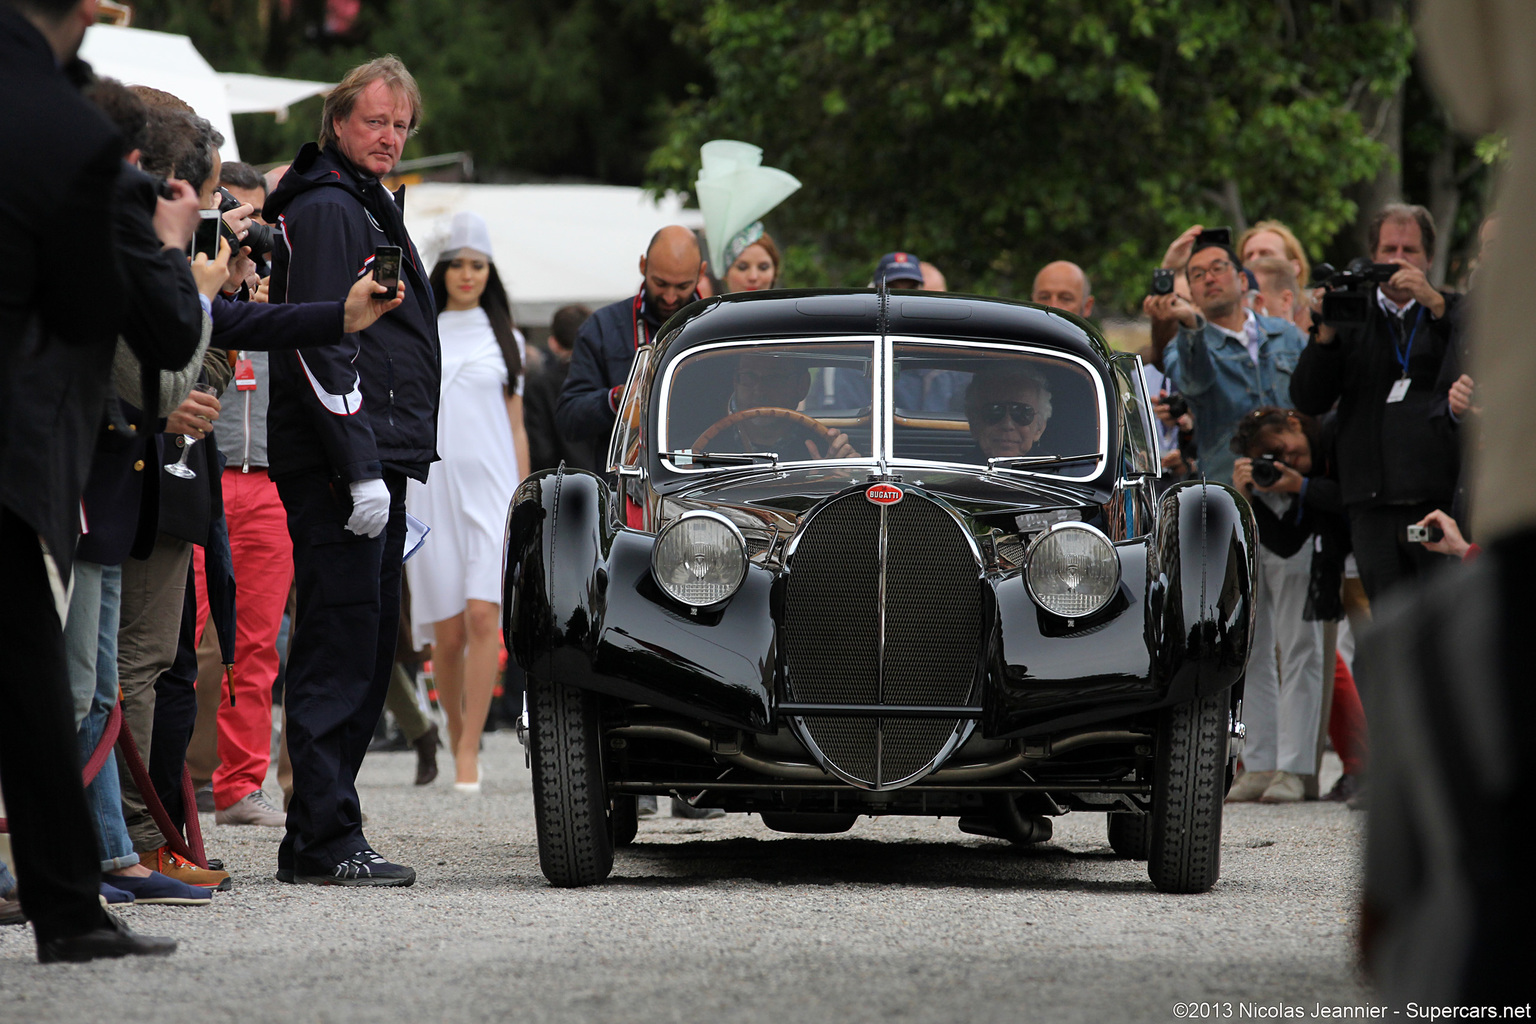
[882,606]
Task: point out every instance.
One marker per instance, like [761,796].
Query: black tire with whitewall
[570,801]
[1188,785]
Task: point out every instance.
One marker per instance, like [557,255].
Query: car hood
[796,490]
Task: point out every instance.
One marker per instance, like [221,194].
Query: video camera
[1347,302]
[259,238]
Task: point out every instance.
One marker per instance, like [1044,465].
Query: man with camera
[1283,468]
[348,423]
[1226,359]
[55,357]
[1377,350]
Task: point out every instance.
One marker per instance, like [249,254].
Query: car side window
[1141,456]
[624,446]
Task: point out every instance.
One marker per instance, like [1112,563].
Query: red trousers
[263,557]
[1346,722]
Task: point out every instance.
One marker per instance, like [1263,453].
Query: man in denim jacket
[1226,359]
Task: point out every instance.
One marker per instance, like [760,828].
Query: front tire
[1188,785]
[570,801]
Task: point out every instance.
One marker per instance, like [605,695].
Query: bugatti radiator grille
[882,606]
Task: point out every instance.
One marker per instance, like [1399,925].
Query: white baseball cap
[468,231]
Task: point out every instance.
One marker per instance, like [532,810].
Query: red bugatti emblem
[883,494]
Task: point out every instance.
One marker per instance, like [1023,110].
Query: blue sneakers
[158,888]
[112,894]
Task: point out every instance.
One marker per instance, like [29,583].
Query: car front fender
[1200,588]
[582,609]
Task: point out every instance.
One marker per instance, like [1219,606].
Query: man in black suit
[55,351]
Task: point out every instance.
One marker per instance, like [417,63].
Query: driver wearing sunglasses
[1007,410]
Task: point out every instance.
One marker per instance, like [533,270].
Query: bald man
[1063,285]
[607,342]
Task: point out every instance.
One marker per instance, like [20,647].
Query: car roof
[821,313]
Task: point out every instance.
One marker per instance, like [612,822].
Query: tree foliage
[995,135]
[533,88]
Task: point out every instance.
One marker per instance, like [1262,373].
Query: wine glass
[180,468]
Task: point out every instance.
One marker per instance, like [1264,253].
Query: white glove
[370,507]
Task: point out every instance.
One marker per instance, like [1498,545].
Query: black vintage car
[871,553]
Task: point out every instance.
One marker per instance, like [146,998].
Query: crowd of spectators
[282,413]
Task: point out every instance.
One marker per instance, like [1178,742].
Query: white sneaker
[1287,788]
[1249,787]
[254,809]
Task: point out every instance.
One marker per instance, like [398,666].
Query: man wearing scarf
[607,342]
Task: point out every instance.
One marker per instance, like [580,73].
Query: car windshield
[970,404]
[950,402]
[799,400]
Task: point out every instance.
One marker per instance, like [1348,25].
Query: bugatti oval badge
[883,494]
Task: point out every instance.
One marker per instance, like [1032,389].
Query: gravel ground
[900,919]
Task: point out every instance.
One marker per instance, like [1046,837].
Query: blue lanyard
[1406,351]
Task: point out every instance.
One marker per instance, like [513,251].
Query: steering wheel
[766,412]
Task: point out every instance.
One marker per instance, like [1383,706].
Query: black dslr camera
[1347,302]
[259,238]
[1266,472]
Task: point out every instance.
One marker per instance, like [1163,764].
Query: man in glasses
[1226,359]
[1007,410]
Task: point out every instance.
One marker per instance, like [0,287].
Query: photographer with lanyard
[1398,460]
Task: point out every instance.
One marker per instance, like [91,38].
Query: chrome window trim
[1088,367]
[882,403]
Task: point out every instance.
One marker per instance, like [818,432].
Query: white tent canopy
[261,94]
[171,63]
[555,244]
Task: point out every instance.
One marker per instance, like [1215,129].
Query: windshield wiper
[1016,461]
[724,458]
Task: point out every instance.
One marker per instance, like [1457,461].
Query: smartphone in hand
[386,266]
[206,238]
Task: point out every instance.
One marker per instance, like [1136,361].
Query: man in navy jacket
[348,423]
[607,342]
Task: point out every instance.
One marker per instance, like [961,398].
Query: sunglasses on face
[1022,413]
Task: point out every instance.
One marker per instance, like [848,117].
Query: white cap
[469,231]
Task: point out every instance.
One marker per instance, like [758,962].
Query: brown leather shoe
[168,862]
[426,755]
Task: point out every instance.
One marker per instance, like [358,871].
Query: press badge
[1399,390]
[245,375]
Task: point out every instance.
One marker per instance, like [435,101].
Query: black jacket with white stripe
[368,400]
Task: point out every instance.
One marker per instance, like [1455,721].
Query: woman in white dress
[455,578]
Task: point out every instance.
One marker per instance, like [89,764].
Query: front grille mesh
[932,607]
[832,631]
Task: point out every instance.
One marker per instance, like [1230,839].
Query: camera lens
[259,238]
[1265,472]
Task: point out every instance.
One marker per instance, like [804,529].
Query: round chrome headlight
[700,558]
[1072,570]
